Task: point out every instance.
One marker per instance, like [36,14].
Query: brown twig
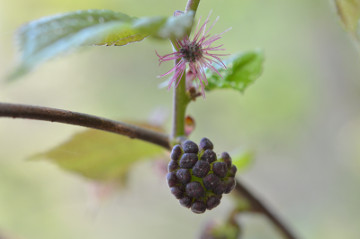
[90,121]
[260,207]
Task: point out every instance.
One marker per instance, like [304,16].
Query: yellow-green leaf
[243,159]
[349,13]
[100,155]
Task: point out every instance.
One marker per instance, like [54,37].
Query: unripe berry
[194,189]
[201,169]
[177,192]
[183,175]
[186,201]
[188,160]
[173,165]
[220,169]
[227,159]
[176,153]
[171,179]
[209,156]
[219,189]
[190,147]
[198,207]
[211,181]
[212,202]
[229,185]
[205,144]
[232,171]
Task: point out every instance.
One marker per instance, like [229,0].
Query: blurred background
[302,118]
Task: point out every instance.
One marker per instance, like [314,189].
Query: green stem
[180,104]
[192,5]
[181,99]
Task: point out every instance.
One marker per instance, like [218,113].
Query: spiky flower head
[198,53]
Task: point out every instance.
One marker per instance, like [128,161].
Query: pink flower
[198,53]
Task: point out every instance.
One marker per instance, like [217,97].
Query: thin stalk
[258,206]
[181,99]
[180,104]
[192,5]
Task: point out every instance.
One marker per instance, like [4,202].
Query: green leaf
[243,159]
[242,70]
[48,37]
[165,28]
[226,230]
[349,12]
[100,156]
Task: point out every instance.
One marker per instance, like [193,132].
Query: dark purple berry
[186,201]
[183,175]
[171,179]
[232,171]
[177,192]
[176,153]
[201,169]
[195,190]
[219,189]
[212,202]
[188,160]
[199,183]
[209,156]
[227,159]
[173,165]
[198,207]
[211,181]
[229,185]
[190,147]
[205,144]
[220,169]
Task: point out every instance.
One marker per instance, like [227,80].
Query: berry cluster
[197,177]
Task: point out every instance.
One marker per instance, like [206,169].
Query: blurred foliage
[225,230]
[349,12]
[43,39]
[241,71]
[243,160]
[100,155]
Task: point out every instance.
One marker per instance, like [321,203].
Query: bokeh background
[302,118]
